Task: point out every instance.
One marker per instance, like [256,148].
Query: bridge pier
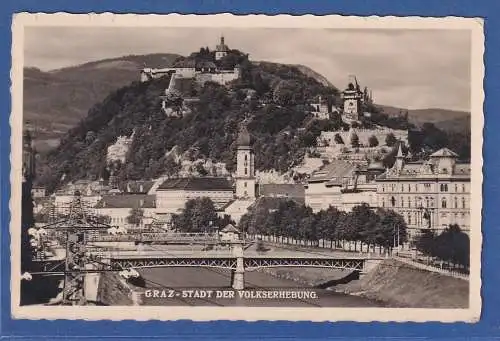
[239,272]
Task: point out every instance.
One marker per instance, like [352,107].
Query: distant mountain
[57,100]
[448,120]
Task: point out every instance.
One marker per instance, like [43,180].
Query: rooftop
[336,170]
[197,184]
[444,152]
[230,228]
[127,201]
[295,191]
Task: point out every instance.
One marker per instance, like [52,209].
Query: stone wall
[114,290]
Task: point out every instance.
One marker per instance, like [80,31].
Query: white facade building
[172,194]
[429,194]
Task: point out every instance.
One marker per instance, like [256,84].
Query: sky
[414,69]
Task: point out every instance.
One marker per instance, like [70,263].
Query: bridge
[156,237]
[235,260]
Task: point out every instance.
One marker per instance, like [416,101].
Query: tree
[338,139]
[171,166]
[373,141]
[198,215]
[201,170]
[390,140]
[135,216]
[355,140]
[392,229]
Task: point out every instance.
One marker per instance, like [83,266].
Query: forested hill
[276,109]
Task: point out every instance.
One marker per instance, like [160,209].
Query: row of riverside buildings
[430,194]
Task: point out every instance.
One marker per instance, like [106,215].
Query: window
[463,202]
[383,202]
[456,202]
[443,203]
[409,201]
[409,188]
[456,187]
[463,188]
[246,157]
[409,218]
[383,188]
[402,202]
[246,171]
[443,187]
[393,201]
[402,188]
[245,184]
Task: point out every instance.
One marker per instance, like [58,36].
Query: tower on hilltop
[245,166]
[221,50]
[352,97]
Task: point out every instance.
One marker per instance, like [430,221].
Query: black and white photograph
[239,165]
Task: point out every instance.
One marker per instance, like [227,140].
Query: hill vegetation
[272,98]
[276,112]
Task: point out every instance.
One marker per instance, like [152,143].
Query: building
[136,186]
[352,97]
[172,194]
[342,138]
[38,192]
[429,194]
[229,233]
[321,109]
[294,192]
[324,187]
[119,207]
[201,70]
[343,185]
[221,49]
[245,166]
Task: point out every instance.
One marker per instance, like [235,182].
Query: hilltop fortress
[201,71]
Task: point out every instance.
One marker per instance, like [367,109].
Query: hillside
[448,120]
[56,100]
[276,112]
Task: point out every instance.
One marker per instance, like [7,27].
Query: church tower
[245,166]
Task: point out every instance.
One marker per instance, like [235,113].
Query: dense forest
[273,98]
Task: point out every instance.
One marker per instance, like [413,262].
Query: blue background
[489,325]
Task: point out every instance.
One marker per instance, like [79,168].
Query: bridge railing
[152,237]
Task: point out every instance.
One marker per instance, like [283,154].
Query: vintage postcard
[221,167]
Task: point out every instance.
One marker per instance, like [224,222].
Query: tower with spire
[398,165]
[221,50]
[245,165]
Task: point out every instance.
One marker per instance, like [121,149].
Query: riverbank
[393,283]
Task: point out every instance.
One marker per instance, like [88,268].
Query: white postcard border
[472,314]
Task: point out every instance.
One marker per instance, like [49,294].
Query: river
[175,282]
